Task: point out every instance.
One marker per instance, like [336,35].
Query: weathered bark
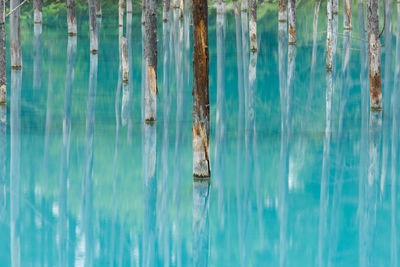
[374,55]
[253,25]
[201,102]
[245,5]
[128,6]
[144,3]
[329,18]
[15,172]
[347,14]
[166,7]
[15,36]
[127,87]
[292,21]
[282,10]
[121,10]
[201,236]
[149,194]
[94,46]
[98,8]
[37,11]
[151,61]
[124,59]
[37,56]
[220,7]
[71,18]
[3,77]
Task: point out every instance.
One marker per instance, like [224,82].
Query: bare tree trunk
[71,17]
[201,102]
[129,6]
[221,7]
[292,21]
[125,63]
[347,15]
[93,27]
[329,33]
[253,25]
[166,7]
[282,10]
[98,8]
[144,3]
[37,11]
[3,77]
[374,55]
[37,56]
[15,38]
[245,5]
[151,61]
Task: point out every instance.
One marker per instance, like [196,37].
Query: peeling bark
[347,14]
[374,55]
[282,10]
[292,21]
[151,61]
[93,27]
[3,77]
[253,25]
[201,102]
[15,36]
[71,18]
[37,11]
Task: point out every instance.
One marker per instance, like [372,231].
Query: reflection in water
[201,224]
[49,112]
[37,56]
[64,169]
[149,194]
[3,161]
[15,175]
[219,167]
[130,84]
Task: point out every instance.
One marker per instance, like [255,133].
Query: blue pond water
[303,174]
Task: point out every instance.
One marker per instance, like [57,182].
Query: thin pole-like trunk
[282,10]
[98,8]
[253,25]
[3,77]
[201,102]
[93,27]
[374,55]
[245,5]
[166,7]
[151,61]
[221,7]
[71,18]
[128,6]
[15,36]
[292,21]
[37,11]
[347,14]
[37,56]
[201,225]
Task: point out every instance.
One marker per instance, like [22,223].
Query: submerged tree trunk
[37,11]
[71,17]
[201,103]
[329,35]
[282,10]
[151,61]
[15,38]
[244,5]
[221,7]
[347,15]
[166,7]
[3,77]
[292,21]
[93,27]
[98,8]
[129,6]
[253,25]
[374,55]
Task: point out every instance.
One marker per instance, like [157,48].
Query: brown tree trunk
[347,15]
[93,27]
[201,103]
[15,36]
[71,17]
[292,21]
[3,77]
[151,61]
[253,25]
[374,55]
[37,11]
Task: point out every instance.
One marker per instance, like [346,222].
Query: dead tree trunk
[151,61]
[15,36]
[221,7]
[166,7]
[292,21]
[93,27]
[253,25]
[3,77]
[98,8]
[374,55]
[37,11]
[37,56]
[245,5]
[347,15]
[144,3]
[129,6]
[201,103]
[71,17]
[282,10]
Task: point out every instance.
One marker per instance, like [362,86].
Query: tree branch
[16,8]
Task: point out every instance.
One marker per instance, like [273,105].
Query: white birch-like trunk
[221,7]
[329,33]
[292,21]
[37,11]
[125,62]
[245,5]
[128,6]
[94,46]
[15,36]
[71,17]
[253,25]
[282,10]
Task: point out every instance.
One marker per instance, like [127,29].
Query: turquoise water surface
[303,174]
